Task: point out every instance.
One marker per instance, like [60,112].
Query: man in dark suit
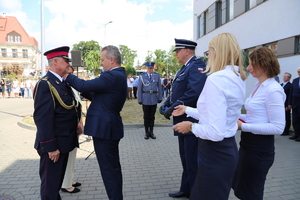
[56,118]
[287,87]
[294,103]
[186,88]
[108,94]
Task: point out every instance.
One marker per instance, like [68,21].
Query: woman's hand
[183,127]
[179,110]
[239,122]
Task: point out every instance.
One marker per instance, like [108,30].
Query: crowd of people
[18,88]
[204,101]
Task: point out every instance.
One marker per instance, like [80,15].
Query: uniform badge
[200,69]
[56,81]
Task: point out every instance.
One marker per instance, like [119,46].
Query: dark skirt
[256,156]
[217,164]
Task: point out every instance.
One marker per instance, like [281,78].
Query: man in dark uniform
[149,94]
[287,87]
[294,103]
[108,94]
[186,88]
[56,118]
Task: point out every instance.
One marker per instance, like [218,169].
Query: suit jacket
[145,84]
[56,125]
[108,94]
[187,86]
[287,89]
[294,97]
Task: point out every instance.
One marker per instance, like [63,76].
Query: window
[3,52]
[17,38]
[218,14]
[298,45]
[14,53]
[229,10]
[272,46]
[25,53]
[10,38]
[250,4]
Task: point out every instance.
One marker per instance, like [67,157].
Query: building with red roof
[19,51]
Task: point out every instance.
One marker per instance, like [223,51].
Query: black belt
[151,91]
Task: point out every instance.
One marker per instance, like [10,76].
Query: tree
[127,55]
[92,61]
[130,70]
[90,54]
[86,46]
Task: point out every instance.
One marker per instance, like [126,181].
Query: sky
[142,25]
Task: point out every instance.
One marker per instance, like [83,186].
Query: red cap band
[56,54]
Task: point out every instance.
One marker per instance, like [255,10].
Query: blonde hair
[224,50]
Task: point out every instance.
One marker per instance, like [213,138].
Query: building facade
[19,52]
[255,23]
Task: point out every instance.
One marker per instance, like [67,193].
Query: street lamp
[105,31]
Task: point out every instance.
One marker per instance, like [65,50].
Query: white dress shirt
[265,109]
[219,105]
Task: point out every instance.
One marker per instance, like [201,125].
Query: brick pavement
[151,168]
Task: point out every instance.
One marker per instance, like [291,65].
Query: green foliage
[127,55]
[130,70]
[11,76]
[92,61]
[245,58]
[86,46]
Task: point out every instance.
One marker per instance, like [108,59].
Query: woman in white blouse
[218,108]
[265,118]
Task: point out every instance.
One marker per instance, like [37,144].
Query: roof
[10,24]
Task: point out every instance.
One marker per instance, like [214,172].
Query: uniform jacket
[186,88]
[108,94]
[294,97]
[147,85]
[56,126]
[287,89]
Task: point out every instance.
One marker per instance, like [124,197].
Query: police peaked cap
[58,52]
[150,64]
[184,44]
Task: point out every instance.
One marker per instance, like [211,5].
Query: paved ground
[151,168]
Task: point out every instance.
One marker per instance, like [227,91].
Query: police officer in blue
[57,119]
[186,88]
[149,94]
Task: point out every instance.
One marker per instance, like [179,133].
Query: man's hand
[80,128]
[179,110]
[54,155]
[140,103]
[168,113]
[159,101]
[183,127]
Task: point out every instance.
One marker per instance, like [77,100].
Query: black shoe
[179,194]
[73,191]
[293,137]
[284,134]
[77,184]
[152,136]
[146,137]
[298,139]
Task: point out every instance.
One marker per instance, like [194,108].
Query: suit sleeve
[160,90]
[196,81]
[290,95]
[44,117]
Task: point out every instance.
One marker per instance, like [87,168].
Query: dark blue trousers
[296,120]
[217,164]
[107,152]
[188,150]
[52,175]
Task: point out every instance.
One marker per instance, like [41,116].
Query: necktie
[150,77]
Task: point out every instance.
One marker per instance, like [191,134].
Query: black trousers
[296,119]
[256,156]
[107,152]
[149,115]
[135,92]
[52,175]
[188,151]
[287,122]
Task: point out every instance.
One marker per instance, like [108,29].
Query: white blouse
[219,105]
[265,109]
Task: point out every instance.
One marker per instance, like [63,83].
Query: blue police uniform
[56,118]
[186,88]
[149,94]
